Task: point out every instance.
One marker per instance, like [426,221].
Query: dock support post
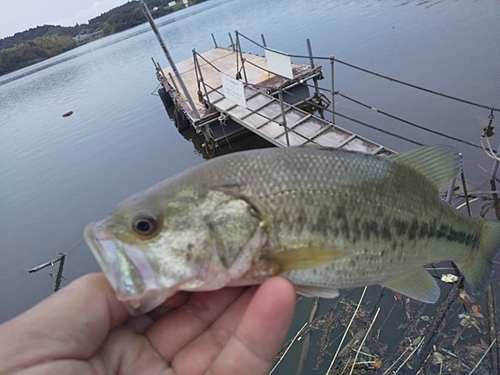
[332,72]
[199,77]
[232,43]
[283,122]
[494,169]
[315,79]
[263,40]
[159,72]
[451,187]
[241,55]
[148,15]
[173,82]
[215,42]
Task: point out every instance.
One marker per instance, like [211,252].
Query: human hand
[83,329]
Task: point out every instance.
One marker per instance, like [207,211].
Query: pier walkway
[263,115]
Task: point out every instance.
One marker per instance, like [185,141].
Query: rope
[419,87]
[222,120]
[408,122]
[265,70]
[155,91]
[380,130]
[254,42]
[488,149]
[329,58]
[487,133]
[491,153]
[208,62]
[381,112]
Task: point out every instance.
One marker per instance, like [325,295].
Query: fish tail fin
[478,267]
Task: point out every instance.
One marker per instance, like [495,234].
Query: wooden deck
[225,60]
[262,114]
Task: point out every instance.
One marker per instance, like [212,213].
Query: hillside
[42,42]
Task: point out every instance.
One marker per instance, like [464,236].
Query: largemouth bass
[324,219]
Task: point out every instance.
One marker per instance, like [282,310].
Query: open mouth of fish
[127,269]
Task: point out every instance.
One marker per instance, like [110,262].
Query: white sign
[233,90]
[279,63]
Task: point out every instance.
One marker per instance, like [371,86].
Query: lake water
[57,174]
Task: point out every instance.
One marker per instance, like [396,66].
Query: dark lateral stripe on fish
[357,229]
[420,230]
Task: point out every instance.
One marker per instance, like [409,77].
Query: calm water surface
[58,174]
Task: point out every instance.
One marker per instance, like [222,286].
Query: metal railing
[487,133]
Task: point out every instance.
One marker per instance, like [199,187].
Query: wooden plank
[255,121]
[294,138]
[358,144]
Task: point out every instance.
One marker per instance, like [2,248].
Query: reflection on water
[209,150]
[248,142]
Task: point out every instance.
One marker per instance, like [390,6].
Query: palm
[226,331]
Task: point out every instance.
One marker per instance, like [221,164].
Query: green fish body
[324,219]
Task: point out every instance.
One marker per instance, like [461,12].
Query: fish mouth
[127,269]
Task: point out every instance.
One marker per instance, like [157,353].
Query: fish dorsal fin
[437,163]
[418,284]
[317,291]
[304,257]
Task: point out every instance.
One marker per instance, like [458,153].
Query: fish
[325,219]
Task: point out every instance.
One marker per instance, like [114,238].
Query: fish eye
[145,225]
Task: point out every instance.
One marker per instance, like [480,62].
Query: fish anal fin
[304,257]
[316,291]
[417,284]
[439,164]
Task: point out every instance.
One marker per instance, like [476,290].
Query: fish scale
[324,219]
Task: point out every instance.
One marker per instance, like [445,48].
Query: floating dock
[208,66]
[279,121]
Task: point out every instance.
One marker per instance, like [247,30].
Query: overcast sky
[20,15]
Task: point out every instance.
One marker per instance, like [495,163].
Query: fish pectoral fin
[304,257]
[438,163]
[418,284]
[316,291]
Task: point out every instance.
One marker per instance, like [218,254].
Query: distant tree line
[26,53]
[40,43]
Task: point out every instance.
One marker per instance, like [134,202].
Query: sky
[20,15]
